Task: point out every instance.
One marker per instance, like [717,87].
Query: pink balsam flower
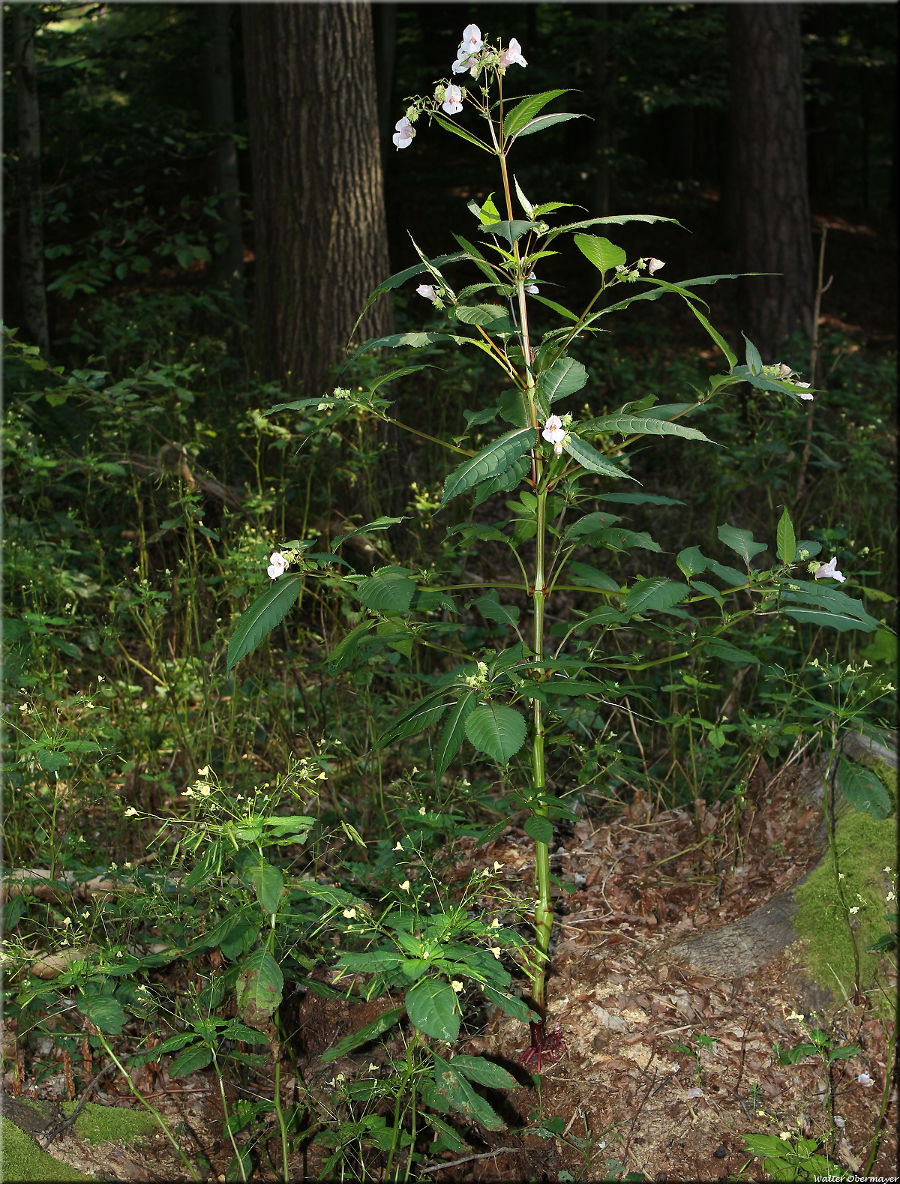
[554,433]
[403,136]
[427,291]
[653,265]
[277,565]
[452,103]
[829,571]
[471,40]
[468,48]
[512,55]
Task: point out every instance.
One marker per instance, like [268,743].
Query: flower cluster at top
[472,56]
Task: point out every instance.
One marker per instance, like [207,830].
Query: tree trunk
[30,197]
[768,200]
[228,263]
[320,233]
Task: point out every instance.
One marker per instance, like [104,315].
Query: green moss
[111,1124]
[23,1160]
[863,847]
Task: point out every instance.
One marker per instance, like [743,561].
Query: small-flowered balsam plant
[513,703]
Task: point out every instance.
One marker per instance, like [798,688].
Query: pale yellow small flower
[495,924]
[422,810]
[131,812]
[404,887]
[398,846]
[497,865]
[349,914]
[495,950]
[784,1135]
[456,985]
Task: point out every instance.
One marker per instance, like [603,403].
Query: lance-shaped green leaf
[432,1008]
[346,649]
[863,789]
[691,561]
[526,205]
[267,881]
[730,575]
[484,1072]
[510,231]
[259,987]
[655,595]
[475,256]
[525,111]
[754,361]
[604,255]
[563,378]
[544,121]
[717,647]
[367,1032]
[261,617]
[104,1011]
[641,425]
[741,542]
[827,620]
[493,318]
[399,278]
[490,462]
[449,1090]
[786,541]
[591,459]
[453,734]
[497,730]
[823,596]
[450,126]
[416,719]
[539,828]
[610,219]
[388,590]
[490,607]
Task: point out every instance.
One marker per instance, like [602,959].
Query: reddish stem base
[546,1047]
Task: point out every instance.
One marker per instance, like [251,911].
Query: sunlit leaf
[258,621]
[497,730]
[491,461]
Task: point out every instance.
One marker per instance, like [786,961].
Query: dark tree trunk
[768,207]
[30,198]
[384,23]
[318,199]
[228,263]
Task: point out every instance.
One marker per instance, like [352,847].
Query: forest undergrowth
[161,811]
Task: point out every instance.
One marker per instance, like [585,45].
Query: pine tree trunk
[768,211]
[29,194]
[320,233]
[228,263]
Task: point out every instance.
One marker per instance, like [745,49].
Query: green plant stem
[543,911]
[885,1100]
[281,1123]
[237,1154]
[143,1101]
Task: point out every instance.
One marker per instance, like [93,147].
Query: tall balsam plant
[507,702]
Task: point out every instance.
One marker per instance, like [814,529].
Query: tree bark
[228,262]
[29,193]
[320,233]
[768,212]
